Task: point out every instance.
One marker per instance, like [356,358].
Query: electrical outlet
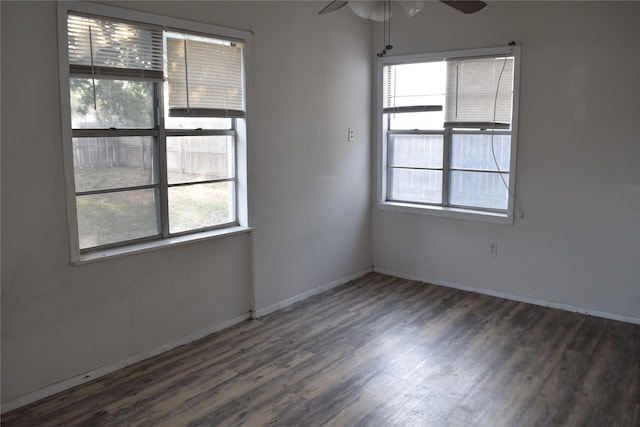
[351,135]
[493,248]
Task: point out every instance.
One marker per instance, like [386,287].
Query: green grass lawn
[113,217]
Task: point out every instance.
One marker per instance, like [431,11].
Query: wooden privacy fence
[197,162]
[137,152]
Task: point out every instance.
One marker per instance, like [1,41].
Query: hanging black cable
[386,29]
[388,20]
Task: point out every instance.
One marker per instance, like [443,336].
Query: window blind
[389,98]
[104,47]
[205,77]
[479,92]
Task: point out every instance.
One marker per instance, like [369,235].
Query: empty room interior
[254,213]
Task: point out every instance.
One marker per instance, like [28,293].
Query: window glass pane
[192,207]
[101,163]
[204,72]
[196,122]
[415,151]
[479,189]
[418,84]
[415,185]
[118,103]
[105,42]
[422,120]
[479,90]
[115,217]
[415,84]
[199,158]
[478,151]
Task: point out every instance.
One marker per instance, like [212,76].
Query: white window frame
[241,131]
[380,135]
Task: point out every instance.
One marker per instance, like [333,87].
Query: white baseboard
[96,373]
[275,307]
[519,298]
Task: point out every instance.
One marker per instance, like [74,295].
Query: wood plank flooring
[378,351]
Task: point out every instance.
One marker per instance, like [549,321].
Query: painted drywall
[310,197]
[312,203]
[311,187]
[578,173]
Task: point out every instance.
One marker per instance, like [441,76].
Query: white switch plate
[352,135]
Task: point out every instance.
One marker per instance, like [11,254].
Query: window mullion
[200,132]
[208,181]
[389,167]
[116,190]
[446,166]
[112,132]
[234,143]
[162,162]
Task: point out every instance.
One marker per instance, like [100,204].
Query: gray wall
[578,180]
[578,172]
[310,197]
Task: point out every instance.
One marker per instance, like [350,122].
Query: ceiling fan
[375,10]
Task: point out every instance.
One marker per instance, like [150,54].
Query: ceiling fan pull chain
[388,44]
[386,29]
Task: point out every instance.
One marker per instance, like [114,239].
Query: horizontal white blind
[205,76]
[389,98]
[104,46]
[479,90]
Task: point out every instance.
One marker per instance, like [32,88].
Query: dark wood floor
[379,351]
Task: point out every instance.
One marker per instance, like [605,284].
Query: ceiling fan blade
[333,6]
[465,6]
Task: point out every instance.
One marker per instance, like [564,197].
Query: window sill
[445,212]
[158,244]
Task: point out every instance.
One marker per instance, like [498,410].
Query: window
[155,147]
[447,133]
